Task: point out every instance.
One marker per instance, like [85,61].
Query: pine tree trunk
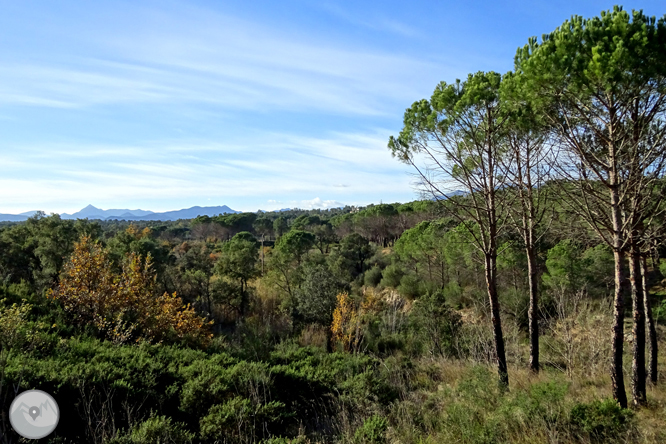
[491,282]
[638,390]
[653,350]
[617,372]
[533,312]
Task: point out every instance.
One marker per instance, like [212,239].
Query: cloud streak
[200,56]
[378,23]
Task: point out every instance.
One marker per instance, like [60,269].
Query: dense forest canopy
[384,323]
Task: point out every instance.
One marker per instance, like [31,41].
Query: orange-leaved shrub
[124,306]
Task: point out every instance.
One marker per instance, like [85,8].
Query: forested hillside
[365,324]
[518,302]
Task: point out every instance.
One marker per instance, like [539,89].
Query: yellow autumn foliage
[123,306]
[349,318]
[346,322]
[134,231]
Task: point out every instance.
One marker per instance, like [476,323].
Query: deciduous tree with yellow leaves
[349,319]
[123,306]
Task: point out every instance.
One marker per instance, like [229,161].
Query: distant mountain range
[448,195]
[12,218]
[91,212]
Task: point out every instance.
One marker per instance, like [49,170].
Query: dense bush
[373,277]
[601,420]
[157,430]
[436,324]
[392,275]
[315,298]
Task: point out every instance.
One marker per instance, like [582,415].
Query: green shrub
[436,324]
[602,420]
[17,292]
[239,419]
[212,381]
[453,294]
[373,431]
[373,277]
[315,299]
[410,286]
[160,430]
[392,275]
[546,398]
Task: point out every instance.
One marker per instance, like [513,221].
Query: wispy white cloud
[196,55]
[376,22]
[318,203]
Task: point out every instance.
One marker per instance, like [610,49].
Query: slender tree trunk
[533,312]
[491,282]
[329,340]
[442,275]
[638,390]
[653,351]
[617,374]
[525,168]
[262,254]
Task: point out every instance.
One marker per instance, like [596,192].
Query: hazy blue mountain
[28,213]
[188,213]
[12,218]
[449,194]
[92,212]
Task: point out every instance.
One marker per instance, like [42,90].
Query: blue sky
[164,105]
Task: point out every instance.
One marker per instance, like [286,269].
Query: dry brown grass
[313,336]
